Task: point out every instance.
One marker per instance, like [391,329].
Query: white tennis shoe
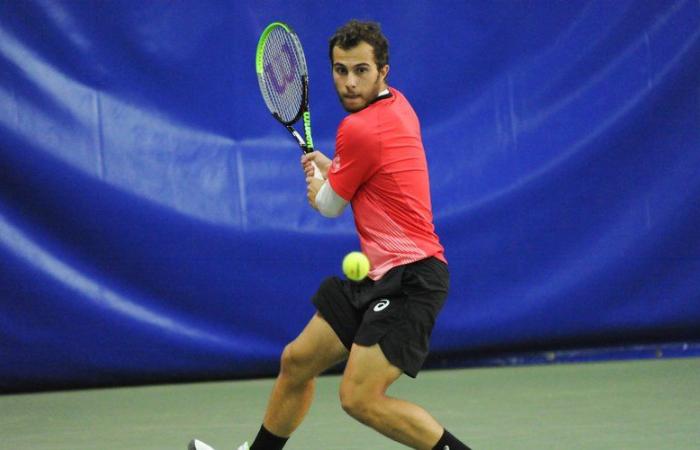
[199,445]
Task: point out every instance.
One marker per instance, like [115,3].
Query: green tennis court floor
[648,404]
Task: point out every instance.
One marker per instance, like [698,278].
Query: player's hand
[321,161]
[313,185]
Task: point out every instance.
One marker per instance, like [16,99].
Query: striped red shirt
[379,167]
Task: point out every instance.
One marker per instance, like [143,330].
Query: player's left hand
[318,158]
[313,185]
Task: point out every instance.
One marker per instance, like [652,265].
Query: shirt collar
[386,93]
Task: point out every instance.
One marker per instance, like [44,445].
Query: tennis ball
[355,266]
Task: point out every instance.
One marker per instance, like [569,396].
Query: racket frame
[306,142]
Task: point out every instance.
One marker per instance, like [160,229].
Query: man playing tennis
[381,325]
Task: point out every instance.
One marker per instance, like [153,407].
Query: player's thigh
[367,373]
[316,349]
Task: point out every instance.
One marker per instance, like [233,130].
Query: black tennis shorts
[397,312]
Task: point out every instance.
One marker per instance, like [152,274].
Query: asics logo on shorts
[381,305]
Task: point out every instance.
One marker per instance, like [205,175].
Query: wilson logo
[382,305]
[285,69]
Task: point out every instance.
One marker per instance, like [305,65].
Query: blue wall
[153,222]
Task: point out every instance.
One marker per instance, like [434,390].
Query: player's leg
[392,339]
[363,395]
[325,341]
[319,346]
[316,349]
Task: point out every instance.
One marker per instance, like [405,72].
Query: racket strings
[283,68]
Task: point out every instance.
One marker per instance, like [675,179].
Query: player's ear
[384,71]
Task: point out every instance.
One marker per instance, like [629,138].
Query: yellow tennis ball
[355,266]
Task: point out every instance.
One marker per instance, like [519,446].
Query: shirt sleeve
[356,155]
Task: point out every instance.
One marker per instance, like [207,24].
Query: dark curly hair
[354,32]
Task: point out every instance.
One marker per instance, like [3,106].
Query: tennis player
[382,325]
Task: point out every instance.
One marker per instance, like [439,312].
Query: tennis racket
[284,81]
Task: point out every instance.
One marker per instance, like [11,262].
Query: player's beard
[365,100]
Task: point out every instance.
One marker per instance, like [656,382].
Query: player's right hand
[321,160]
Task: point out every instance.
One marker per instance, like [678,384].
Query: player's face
[356,76]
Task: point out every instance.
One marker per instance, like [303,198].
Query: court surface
[648,404]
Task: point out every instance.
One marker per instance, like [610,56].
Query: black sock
[267,441]
[449,442]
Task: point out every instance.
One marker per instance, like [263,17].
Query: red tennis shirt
[379,167]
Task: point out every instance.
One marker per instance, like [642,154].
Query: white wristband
[329,203]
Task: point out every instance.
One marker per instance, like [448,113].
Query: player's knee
[350,402]
[357,403]
[294,363]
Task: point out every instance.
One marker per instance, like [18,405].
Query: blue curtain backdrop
[153,222]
